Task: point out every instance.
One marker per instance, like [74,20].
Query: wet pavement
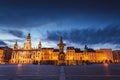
[93,72]
[52,72]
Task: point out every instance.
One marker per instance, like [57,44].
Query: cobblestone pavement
[93,72]
[52,72]
[29,72]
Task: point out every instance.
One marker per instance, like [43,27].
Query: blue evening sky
[95,23]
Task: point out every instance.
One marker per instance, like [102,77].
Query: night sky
[95,23]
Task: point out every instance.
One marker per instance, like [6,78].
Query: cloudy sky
[95,23]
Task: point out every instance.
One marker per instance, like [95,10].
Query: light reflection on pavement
[52,72]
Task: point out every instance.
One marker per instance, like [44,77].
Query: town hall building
[72,56]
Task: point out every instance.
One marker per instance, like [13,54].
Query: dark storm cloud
[14,40]
[109,34]
[17,33]
[2,43]
[24,13]
[32,13]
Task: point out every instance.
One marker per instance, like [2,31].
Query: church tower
[85,48]
[61,45]
[39,45]
[15,46]
[27,44]
[61,56]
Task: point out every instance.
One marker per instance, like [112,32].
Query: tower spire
[29,37]
[61,45]
[27,44]
[16,45]
[39,45]
[16,42]
[61,41]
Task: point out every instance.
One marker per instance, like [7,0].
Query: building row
[5,54]
[72,56]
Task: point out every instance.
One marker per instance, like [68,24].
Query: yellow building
[1,55]
[76,56]
[28,55]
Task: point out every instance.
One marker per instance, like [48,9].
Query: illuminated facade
[116,56]
[28,55]
[7,52]
[1,55]
[76,56]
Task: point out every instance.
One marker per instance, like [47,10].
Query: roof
[90,50]
[77,50]
[5,47]
[56,50]
[70,48]
[47,48]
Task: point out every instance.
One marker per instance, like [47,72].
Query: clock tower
[61,56]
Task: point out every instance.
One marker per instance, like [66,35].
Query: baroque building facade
[116,56]
[1,55]
[5,54]
[72,56]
